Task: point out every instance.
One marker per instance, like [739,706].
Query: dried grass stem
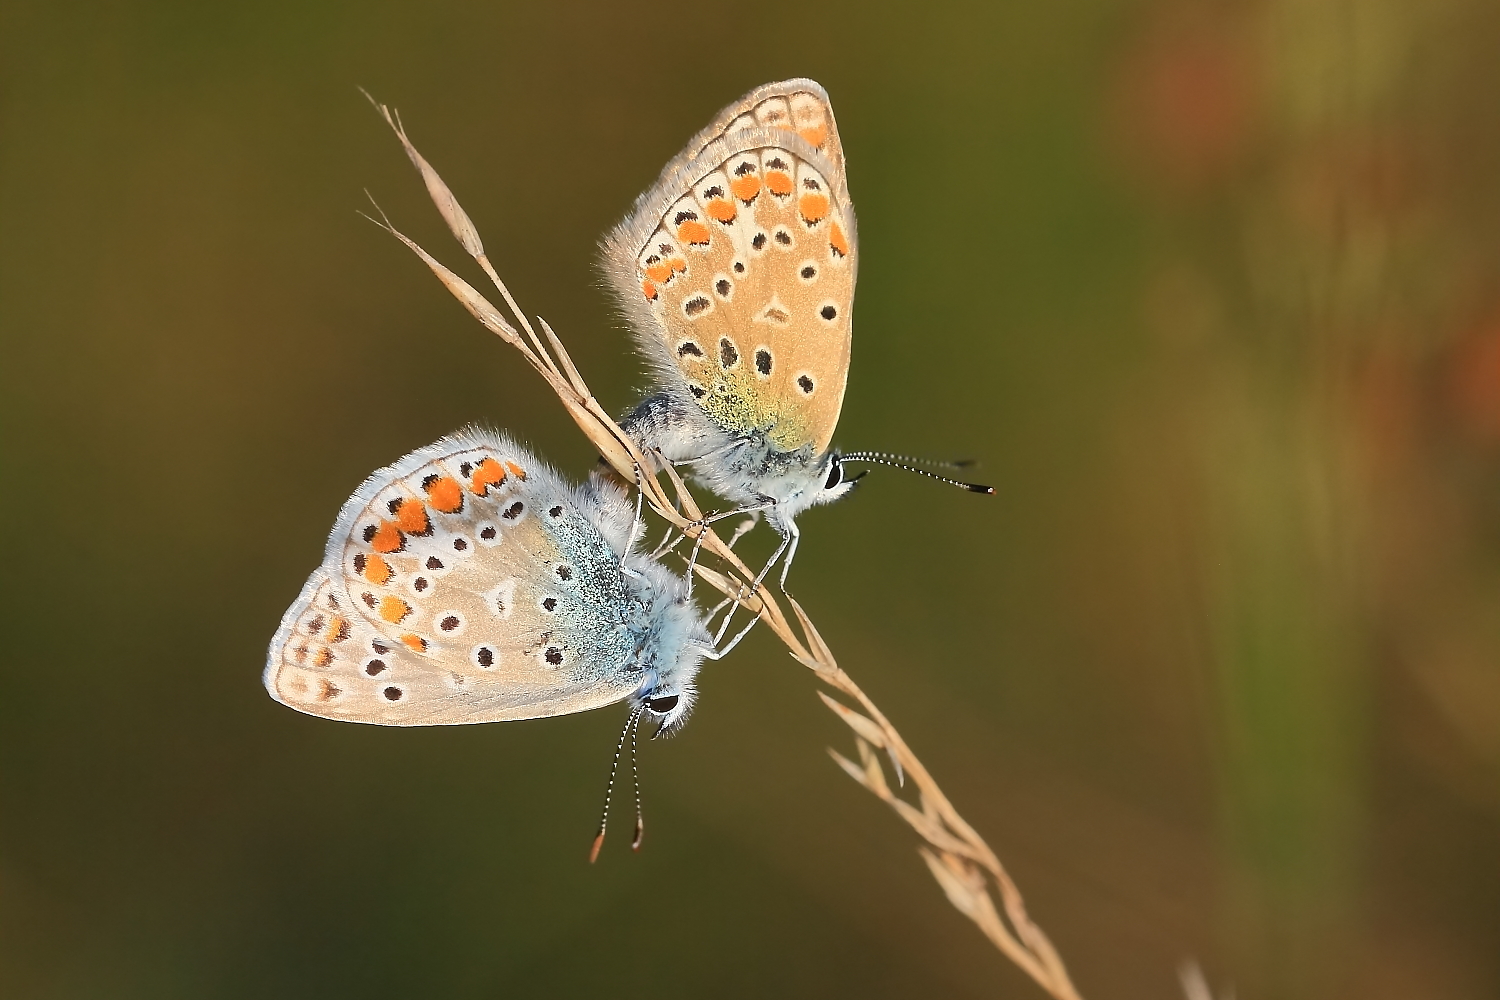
[959,859]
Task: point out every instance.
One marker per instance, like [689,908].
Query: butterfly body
[749,469]
[469,583]
[737,273]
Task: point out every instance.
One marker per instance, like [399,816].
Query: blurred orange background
[1210,289]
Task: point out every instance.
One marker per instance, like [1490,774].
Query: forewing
[460,585]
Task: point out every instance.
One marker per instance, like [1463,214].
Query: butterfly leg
[760,577]
[637,526]
[743,528]
[719,652]
[673,537]
[702,529]
[786,565]
[693,557]
[786,540]
[721,606]
[724,625]
[702,526]
[669,542]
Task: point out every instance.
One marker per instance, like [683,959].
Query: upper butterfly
[736,271]
[469,583]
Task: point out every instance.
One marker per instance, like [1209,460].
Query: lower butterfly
[469,583]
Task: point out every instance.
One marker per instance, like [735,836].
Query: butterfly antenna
[610,788]
[900,462]
[635,777]
[886,456]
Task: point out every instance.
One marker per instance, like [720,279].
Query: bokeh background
[1209,287]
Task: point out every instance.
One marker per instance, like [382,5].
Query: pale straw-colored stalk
[963,864]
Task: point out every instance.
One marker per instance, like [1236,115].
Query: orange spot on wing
[338,629]
[779,183]
[660,273]
[838,240]
[378,571]
[415,643]
[516,470]
[648,289]
[813,206]
[387,538]
[693,233]
[720,210]
[446,495]
[411,517]
[486,474]
[393,608]
[745,188]
[677,264]
[323,658]
[814,134]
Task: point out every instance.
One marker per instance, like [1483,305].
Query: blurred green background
[1210,288]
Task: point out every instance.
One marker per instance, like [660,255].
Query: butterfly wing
[739,269]
[462,584]
[799,106]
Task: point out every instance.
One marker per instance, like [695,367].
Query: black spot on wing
[729,355]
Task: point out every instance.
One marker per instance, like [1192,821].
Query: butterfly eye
[661,706]
[835,475]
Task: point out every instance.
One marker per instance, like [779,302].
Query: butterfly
[736,271]
[469,582]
